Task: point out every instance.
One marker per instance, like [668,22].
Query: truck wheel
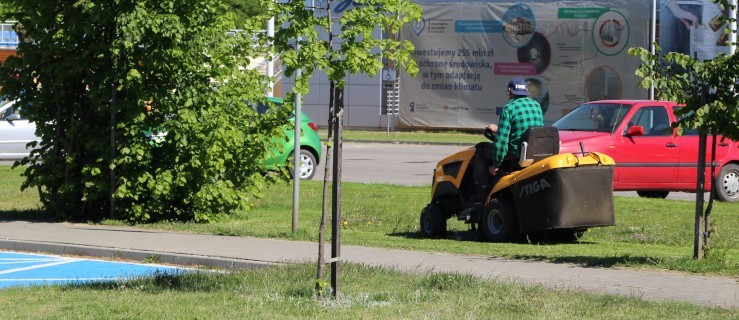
[499,222]
[433,222]
[727,183]
[653,194]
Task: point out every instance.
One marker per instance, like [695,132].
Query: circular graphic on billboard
[537,51]
[519,25]
[538,91]
[603,83]
[611,33]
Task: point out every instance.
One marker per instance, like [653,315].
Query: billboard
[569,52]
[693,27]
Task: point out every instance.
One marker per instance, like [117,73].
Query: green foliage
[89,75]
[705,87]
[243,10]
[90,70]
[709,89]
[355,49]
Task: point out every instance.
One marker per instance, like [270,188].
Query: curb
[181,259]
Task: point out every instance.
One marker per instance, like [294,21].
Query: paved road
[411,164]
[405,164]
[402,164]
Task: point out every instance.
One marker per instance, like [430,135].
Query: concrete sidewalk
[246,252]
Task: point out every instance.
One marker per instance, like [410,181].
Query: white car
[15,132]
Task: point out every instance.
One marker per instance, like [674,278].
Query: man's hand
[493,170]
[492,127]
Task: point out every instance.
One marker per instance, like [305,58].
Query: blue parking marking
[23,269]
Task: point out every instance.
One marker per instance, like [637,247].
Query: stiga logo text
[534,187]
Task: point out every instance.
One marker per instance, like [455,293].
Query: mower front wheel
[499,222]
[433,222]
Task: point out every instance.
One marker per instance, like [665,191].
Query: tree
[97,74]
[707,88]
[352,50]
[244,10]
[709,91]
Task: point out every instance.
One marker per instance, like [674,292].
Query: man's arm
[500,146]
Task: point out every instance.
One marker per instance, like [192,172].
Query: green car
[310,145]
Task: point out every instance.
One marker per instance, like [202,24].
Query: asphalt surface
[412,165]
[406,164]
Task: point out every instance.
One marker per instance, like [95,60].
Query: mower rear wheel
[499,222]
[433,222]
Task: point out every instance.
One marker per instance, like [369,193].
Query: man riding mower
[541,192]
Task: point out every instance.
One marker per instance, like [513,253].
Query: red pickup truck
[651,158]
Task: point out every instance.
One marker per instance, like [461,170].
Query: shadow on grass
[593,262]
[583,261]
[31,215]
[474,235]
[200,281]
[159,281]
[39,215]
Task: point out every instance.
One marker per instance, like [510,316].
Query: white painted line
[20,260]
[24,261]
[17,261]
[39,266]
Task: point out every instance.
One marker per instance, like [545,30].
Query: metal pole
[653,39]
[296,153]
[271,61]
[732,34]
[114,95]
[388,112]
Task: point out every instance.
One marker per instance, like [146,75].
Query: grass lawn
[285,292]
[649,233]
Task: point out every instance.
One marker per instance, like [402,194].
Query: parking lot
[23,269]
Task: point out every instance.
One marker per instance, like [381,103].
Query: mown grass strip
[286,292]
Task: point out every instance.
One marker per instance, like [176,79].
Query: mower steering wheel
[489,134]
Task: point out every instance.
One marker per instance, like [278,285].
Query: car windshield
[601,117]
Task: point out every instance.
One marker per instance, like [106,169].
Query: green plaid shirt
[518,115]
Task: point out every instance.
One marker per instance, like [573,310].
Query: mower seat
[538,143]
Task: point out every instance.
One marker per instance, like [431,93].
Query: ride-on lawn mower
[546,193]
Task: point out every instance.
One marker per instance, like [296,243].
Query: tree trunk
[324,208]
[698,238]
[336,196]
